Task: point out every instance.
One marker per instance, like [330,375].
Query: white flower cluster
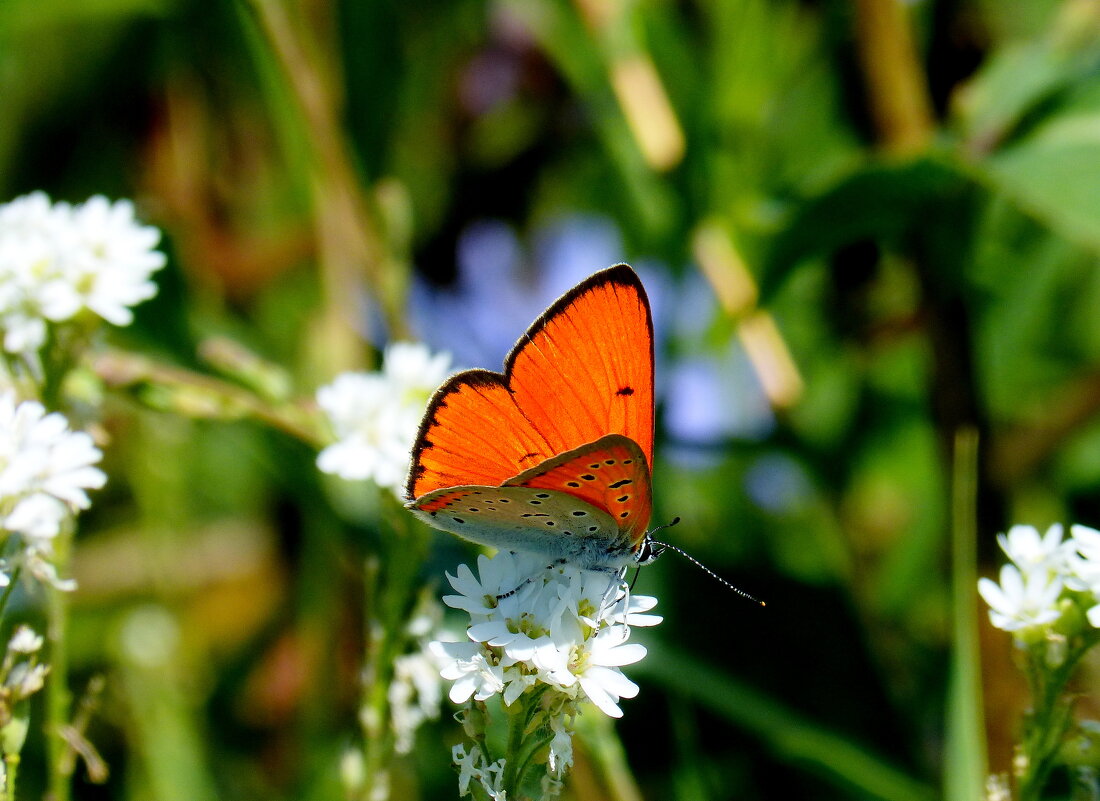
[21,676]
[58,260]
[416,692]
[20,673]
[375,416]
[473,766]
[45,470]
[562,627]
[1043,572]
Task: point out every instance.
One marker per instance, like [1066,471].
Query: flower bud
[1081,747]
[14,733]
[473,721]
[1057,646]
[1071,620]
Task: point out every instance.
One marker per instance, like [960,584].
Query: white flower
[26,678]
[45,469]
[1030,552]
[1084,560]
[598,671]
[561,746]
[467,764]
[1084,566]
[472,673]
[58,260]
[411,368]
[506,574]
[113,258]
[473,765]
[25,641]
[1021,601]
[375,416]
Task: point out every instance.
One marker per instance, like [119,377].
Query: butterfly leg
[529,579]
[617,592]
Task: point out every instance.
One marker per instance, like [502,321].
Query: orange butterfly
[551,456]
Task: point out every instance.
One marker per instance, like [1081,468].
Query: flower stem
[11,768]
[517,724]
[6,596]
[1050,719]
[58,696]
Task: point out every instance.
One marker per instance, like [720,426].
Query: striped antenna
[700,565]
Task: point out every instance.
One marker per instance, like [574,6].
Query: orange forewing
[611,474]
[583,369]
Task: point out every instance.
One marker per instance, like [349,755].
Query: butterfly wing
[554,524]
[583,369]
[610,474]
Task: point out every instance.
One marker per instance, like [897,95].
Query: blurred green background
[865,227]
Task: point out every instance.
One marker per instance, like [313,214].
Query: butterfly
[552,456]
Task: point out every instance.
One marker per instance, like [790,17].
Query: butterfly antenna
[703,567]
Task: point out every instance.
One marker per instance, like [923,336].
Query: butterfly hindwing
[611,474]
[554,524]
[583,369]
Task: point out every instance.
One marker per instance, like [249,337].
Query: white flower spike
[374,416]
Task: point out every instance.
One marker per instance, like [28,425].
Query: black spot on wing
[627,390]
[621,483]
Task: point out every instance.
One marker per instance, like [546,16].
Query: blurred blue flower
[777,483]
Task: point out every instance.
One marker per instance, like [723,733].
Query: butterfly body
[552,455]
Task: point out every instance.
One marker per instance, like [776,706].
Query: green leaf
[879,201]
[965,748]
[1054,175]
[844,762]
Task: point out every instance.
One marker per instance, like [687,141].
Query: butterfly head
[649,551]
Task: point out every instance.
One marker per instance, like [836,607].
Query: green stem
[6,596]
[58,696]
[1050,719]
[375,702]
[11,767]
[517,724]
